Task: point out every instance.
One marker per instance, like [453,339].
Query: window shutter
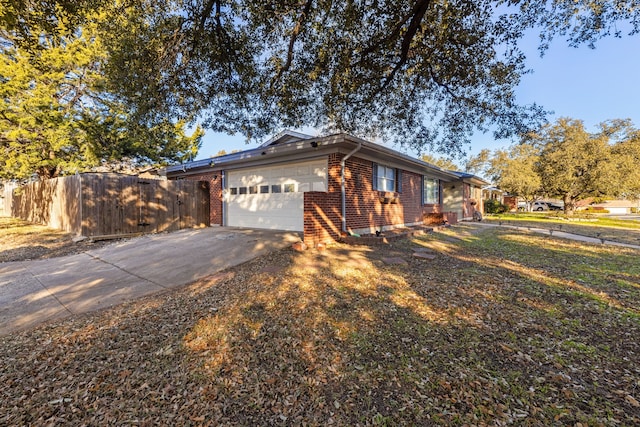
[374,183]
[399,180]
[422,190]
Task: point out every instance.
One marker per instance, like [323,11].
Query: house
[463,196]
[329,186]
[616,207]
[491,192]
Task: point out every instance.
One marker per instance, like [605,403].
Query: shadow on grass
[496,329]
[345,338]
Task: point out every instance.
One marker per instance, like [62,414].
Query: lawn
[590,225]
[500,327]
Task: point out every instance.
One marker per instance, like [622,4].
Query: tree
[441,162]
[57,116]
[426,73]
[626,158]
[514,170]
[574,164]
[479,163]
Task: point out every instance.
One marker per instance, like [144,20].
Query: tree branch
[294,37]
[417,14]
[207,12]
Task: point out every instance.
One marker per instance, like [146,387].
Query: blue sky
[593,85]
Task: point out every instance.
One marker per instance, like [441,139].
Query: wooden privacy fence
[97,204]
[6,198]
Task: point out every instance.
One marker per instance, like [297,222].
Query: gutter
[342,186]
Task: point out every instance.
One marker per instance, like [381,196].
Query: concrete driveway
[32,292]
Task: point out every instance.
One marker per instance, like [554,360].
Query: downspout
[342,186]
[223,184]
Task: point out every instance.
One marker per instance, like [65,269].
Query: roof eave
[255,154]
[399,156]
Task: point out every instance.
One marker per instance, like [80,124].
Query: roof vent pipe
[342,186]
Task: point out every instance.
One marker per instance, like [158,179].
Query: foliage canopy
[425,73]
[563,160]
[59,115]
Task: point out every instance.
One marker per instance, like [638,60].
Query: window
[289,188]
[242,190]
[253,189]
[276,188]
[233,191]
[264,189]
[384,178]
[430,191]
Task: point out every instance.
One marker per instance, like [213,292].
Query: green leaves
[574,164]
[564,160]
[58,115]
[426,74]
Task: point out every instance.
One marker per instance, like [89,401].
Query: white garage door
[273,197]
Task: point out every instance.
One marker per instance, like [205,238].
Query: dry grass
[500,328]
[616,230]
[23,241]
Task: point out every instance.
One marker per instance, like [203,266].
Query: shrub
[596,210]
[492,206]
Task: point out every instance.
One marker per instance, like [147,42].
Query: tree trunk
[568,204]
[45,172]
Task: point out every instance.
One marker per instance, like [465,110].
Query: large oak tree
[574,164]
[563,160]
[515,171]
[426,73]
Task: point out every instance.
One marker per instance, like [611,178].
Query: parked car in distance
[540,205]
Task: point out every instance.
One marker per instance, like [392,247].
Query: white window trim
[436,199]
[386,180]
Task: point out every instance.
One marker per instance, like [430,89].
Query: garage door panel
[282,207]
[260,203]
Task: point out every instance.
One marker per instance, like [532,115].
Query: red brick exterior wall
[365,207]
[214,178]
[450,217]
[512,202]
[322,217]
[322,210]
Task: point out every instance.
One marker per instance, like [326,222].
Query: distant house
[618,207]
[330,186]
[491,192]
[464,195]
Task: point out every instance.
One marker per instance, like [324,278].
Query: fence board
[54,202]
[112,204]
[6,198]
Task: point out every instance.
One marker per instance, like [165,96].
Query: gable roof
[284,137]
